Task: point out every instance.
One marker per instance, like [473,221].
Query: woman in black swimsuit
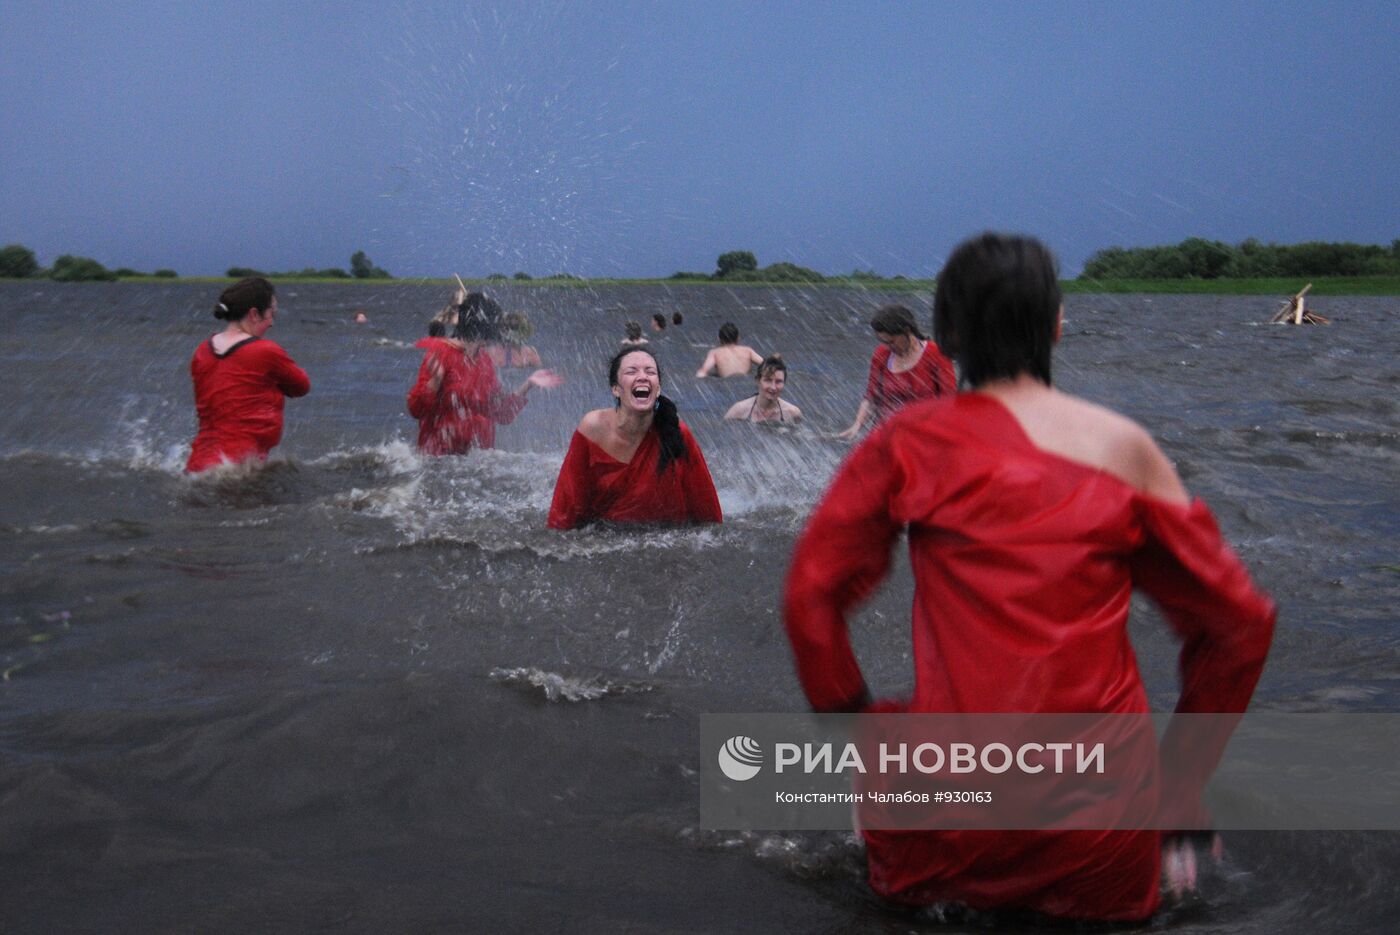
[767,405]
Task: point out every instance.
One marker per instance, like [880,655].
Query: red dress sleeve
[1225,623]
[945,378]
[701,500]
[290,378]
[841,557]
[422,400]
[874,383]
[573,490]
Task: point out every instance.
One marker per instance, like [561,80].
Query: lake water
[367,691]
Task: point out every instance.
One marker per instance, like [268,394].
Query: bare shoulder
[739,410]
[1125,448]
[595,424]
[790,410]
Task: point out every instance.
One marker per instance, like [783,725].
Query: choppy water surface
[363,690]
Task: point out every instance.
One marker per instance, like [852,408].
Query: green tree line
[1197,258]
[19,262]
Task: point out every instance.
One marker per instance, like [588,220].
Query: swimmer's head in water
[244,296]
[997,308]
[728,333]
[658,322]
[772,376]
[633,330]
[516,328]
[895,320]
[436,329]
[677,318]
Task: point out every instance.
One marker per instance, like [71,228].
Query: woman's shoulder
[741,409]
[594,425]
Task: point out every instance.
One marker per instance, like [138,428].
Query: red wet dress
[594,485]
[932,376]
[462,414]
[1024,564]
[239,396]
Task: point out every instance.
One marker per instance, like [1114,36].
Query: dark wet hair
[436,329]
[666,419]
[896,319]
[478,318]
[677,318]
[772,364]
[242,297]
[728,333]
[633,330]
[660,321]
[996,308]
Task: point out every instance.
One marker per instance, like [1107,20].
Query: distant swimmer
[511,351]
[632,335]
[1030,517]
[457,398]
[658,322]
[767,404]
[241,380]
[730,359]
[361,318]
[636,462]
[905,368]
[677,318]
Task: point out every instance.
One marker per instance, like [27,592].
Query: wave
[573,688]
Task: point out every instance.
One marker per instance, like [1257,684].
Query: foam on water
[557,687]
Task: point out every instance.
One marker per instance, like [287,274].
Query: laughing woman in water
[636,462]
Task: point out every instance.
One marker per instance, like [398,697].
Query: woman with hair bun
[241,380]
[767,405]
[905,368]
[636,462]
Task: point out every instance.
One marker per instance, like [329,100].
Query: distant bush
[684,275]
[521,276]
[362,268]
[165,274]
[17,262]
[496,276]
[735,261]
[566,276]
[68,268]
[122,271]
[1196,258]
[242,272]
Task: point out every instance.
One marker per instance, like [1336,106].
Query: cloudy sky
[637,139]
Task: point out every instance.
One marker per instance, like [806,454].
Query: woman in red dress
[636,462]
[457,399]
[241,380]
[905,368]
[1031,517]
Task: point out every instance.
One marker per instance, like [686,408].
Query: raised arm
[710,363]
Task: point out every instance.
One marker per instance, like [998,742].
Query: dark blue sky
[637,139]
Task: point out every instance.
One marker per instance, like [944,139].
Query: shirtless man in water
[730,359]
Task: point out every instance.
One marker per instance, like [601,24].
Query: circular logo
[740,758]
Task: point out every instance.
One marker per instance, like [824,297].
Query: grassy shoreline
[1322,285]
